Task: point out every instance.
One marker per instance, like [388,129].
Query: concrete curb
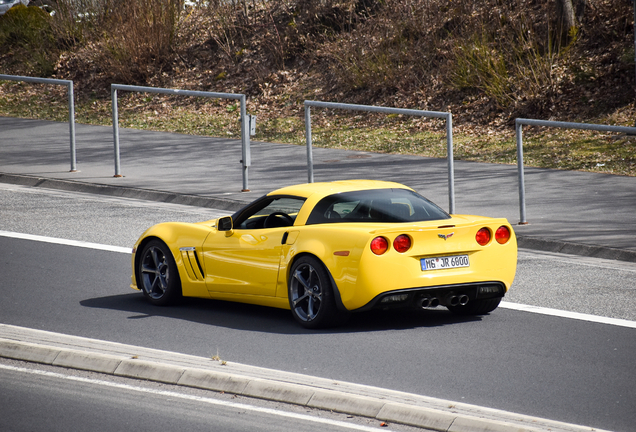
[525,242]
[122,192]
[575,249]
[389,406]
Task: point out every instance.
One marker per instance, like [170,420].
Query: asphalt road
[553,367]
[559,281]
[66,400]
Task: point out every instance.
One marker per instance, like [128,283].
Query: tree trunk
[565,15]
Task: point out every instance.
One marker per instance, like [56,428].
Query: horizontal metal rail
[386,110]
[71,106]
[245,133]
[556,124]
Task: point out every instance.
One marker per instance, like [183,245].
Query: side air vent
[191,263]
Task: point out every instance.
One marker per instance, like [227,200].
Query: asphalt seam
[526,242]
[271,389]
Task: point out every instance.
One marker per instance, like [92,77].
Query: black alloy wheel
[157,274]
[311,296]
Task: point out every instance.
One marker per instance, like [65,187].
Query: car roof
[329,188]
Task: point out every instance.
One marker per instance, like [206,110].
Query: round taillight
[483,236]
[402,243]
[379,245]
[502,235]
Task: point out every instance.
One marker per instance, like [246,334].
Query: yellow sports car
[324,250]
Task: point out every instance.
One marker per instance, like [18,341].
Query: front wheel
[476,307]
[157,274]
[311,296]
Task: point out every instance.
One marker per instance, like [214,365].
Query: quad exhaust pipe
[457,300]
[429,302]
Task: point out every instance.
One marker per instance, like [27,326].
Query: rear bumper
[444,294]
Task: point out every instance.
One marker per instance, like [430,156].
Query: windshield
[378,205]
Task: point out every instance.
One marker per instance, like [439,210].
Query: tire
[157,274]
[476,307]
[311,296]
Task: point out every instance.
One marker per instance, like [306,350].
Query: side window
[271,212]
[345,207]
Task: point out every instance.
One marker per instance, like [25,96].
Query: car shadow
[240,316]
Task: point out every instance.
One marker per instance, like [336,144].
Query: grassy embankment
[484,62]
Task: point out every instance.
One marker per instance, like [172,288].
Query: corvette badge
[445,237]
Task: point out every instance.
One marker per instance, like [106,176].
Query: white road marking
[172,394]
[504,304]
[66,242]
[567,314]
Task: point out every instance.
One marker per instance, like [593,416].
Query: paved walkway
[572,212]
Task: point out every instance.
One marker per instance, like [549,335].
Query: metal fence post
[71,125]
[113,97]
[556,124]
[245,144]
[310,157]
[71,106]
[245,132]
[451,163]
[522,182]
[387,110]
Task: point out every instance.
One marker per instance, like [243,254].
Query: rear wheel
[157,274]
[311,295]
[476,307]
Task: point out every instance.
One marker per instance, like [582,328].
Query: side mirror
[224,224]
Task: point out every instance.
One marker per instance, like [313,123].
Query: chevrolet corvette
[325,250]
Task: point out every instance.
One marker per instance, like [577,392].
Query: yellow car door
[246,262]
[244,258]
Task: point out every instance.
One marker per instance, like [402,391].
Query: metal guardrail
[71,106]
[245,120]
[557,124]
[386,110]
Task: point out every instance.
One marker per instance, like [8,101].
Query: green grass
[543,147]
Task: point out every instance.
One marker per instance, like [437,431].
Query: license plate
[440,263]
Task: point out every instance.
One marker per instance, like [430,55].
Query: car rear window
[377,205]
